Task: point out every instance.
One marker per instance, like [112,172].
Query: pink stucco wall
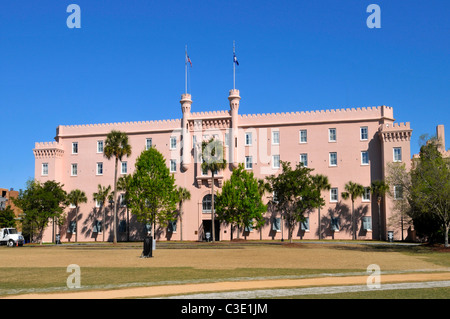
[383,136]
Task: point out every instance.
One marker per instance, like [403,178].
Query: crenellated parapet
[48,150]
[381,113]
[129,127]
[395,132]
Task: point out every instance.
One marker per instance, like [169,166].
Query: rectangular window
[331,135]
[367,223]
[275,137]
[172,226]
[303,136]
[173,165]
[227,140]
[335,224]
[366,194]
[124,168]
[122,201]
[100,168]
[397,154]
[122,226]
[333,159]
[305,224]
[97,226]
[334,194]
[173,142]
[248,162]
[398,192]
[74,170]
[75,148]
[99,146]
[44,169]
[276,225]
[304,159]
[148,143]
[248,138]
[98,203]
[364,158]
[364,133]
[276,161]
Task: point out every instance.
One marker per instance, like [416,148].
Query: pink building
[343,144]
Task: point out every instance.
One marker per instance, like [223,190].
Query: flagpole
[185,70]
[234,67]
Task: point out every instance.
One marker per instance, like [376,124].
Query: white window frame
[97,203]
[305,136]
[74,169]
[397,157]
[304,159]
[248,162]
[122,168]
[362,157]
[147,144]
[44,169]
[99,168]
[332,135]
[173,142]
[398,190]
[100,144]
[366,194]
[334,192]
[248,138]
[274,160]
[330,161]
[173,165]
[74,147]
[276,137]
[364,133]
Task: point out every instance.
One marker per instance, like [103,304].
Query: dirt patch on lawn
[155,291]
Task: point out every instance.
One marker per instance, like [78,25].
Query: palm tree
[76,197]
[321,182]
[116,144]
[123,184]
[183,195]
[379,189]
[213,161]
[101,196]
[353,190]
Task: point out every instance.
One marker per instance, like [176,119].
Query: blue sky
[126,63]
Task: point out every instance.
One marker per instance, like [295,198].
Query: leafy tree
[240,203]
[353,191]
[117,146]
[183,195]
[379,189]
[76,197]
[322,183]
[263,188]
[296,193]
[152,192]
[7,218]
[430,187]
[213,161]
[41,202]
[101,196]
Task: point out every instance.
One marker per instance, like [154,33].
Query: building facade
[343,144]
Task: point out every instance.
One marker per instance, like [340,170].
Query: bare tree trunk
[212,208]
[114,202]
